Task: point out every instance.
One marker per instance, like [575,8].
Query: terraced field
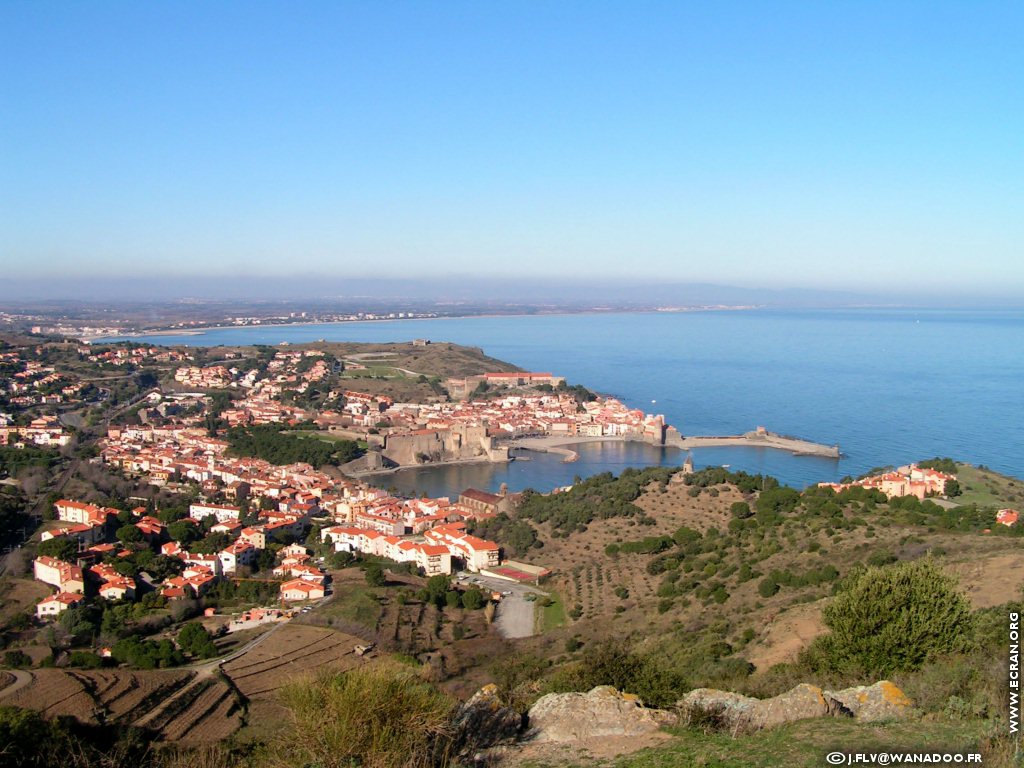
[191,705]
[203,711]
[98,695]
[292,651]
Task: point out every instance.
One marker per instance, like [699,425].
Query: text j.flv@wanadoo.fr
[1014,672]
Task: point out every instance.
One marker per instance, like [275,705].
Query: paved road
[516,616]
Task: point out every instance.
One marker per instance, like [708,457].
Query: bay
[890,386]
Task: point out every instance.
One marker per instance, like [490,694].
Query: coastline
[562,445]
[200,330]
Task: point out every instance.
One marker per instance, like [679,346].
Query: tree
[81,622]
[375,575]
[129,534]
[340,559]
[740,510]
[213,542]
[60,547]
[952,489]
[162,567]
[942,464]
[776,502]
[896,618]
[182,532]
[437,586]
[472,599]
[270,442]
[197,641]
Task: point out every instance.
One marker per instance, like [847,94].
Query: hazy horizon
[320,292]
[177,149]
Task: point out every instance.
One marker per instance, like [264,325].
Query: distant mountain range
[542,292]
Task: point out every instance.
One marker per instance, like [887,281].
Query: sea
[890,386]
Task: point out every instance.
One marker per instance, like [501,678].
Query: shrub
[706,720]
[611,663]
[17,659]
[85,659]
[896,618]
[685,535]
[881,557]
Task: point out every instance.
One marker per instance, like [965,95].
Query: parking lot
[516,616]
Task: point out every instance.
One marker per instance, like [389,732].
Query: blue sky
[868,145]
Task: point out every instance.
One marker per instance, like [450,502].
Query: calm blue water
[890,386]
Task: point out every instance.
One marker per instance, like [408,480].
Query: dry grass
[20,595]
[377,717]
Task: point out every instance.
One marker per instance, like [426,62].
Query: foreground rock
[484,721]
[874,703]
[714,709]
[604,711]
[881,701]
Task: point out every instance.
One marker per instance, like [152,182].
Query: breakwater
[759,439]
[754,439]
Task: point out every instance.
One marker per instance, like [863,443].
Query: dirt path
[992,580]
[787,634]
[594,751]
[21,679]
